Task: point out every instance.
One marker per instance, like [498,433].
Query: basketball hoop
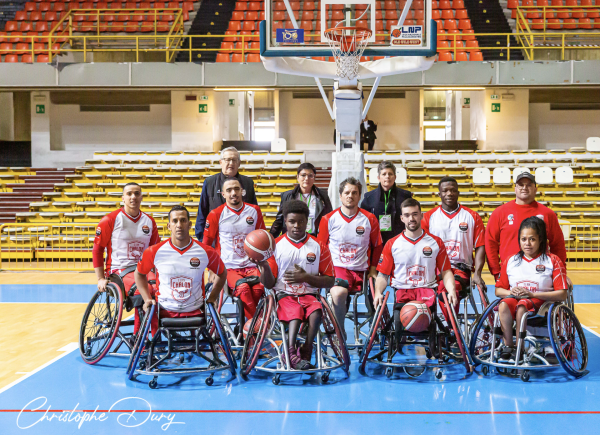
[347,45]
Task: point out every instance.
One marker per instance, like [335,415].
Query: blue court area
[69,396]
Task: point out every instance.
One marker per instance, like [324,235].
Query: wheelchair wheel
[100,324]
[482,333]
[223,338]
[568,340]
[140,342]
[378,321]
[254,340]
[334,334]
[460,340]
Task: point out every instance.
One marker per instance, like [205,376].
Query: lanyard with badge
[385,220]
[309,226]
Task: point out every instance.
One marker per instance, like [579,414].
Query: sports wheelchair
[102,321]
[185,338]
[555,326]
[266,348]
[444,344]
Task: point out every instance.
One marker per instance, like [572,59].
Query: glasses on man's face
[230,160]
[309,176]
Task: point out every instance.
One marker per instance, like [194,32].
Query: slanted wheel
[361,370]
[140,341]
[100,324]
[254,340]
[482,333]
[375,330]
[525,375]
[460,340]
[224,341]
[334,334]
[568,340]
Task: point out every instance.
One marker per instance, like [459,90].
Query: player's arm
[267,277]
[376,246]
[300,276]
[503,285]
[479,262]
[141,280]
[219,281]
[380,285]
[101,241]
[449,283]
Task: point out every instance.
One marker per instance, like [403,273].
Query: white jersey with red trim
[125,238]
[462,232]
[180,273]
[310,254]
[350,240]
[229,228]
[413,263]
[536,275]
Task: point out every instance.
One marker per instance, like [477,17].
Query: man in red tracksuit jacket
[501,234]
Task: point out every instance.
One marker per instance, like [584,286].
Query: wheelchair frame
[438,338]
[485,351]
[272,331]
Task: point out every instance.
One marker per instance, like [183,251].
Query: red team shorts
[532,305]
[354,278]
[458,285]
[297,307]
[420,294]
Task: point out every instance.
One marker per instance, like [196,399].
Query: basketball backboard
[294,29]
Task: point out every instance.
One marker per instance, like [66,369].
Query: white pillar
[478,121]
[7,116]
[40,129]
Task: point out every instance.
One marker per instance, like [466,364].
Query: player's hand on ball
[148,304]
[297,276]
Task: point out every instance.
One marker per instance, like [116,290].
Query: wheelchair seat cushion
[182,322]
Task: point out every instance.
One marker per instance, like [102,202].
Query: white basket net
[347,45]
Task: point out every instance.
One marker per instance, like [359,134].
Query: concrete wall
[7,116]
[561,128]
[509,128]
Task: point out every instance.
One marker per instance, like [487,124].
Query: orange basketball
[259,245]
[247,327]
[415,316]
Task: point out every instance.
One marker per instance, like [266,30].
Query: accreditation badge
[385,222]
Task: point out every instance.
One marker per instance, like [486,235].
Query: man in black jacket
[317,200]
[384,202]
[367,134]
[211,197]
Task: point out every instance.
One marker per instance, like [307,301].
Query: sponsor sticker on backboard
[407,35]
[290,36]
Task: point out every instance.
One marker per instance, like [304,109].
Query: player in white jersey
[354,240]
[124,234]
[528,279]
[299,268]
[462,231]
[179,264]
[228,226]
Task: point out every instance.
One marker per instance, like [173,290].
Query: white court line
[591,330]
[43,366]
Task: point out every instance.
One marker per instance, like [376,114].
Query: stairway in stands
[323,177]
[32,190]
[487,16]
[211,19]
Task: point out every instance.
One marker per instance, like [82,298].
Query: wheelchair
[438,347]
[186,340]
[103,322]
[266,348]
[555,326]
[231,311]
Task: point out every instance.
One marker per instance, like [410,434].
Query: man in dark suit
[367,133]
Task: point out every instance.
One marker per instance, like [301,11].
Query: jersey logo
[427,251]
[207,226]
[238,245]
[250,220]
[511,219]
[415,275]
[311,257]
[541,216]
[540,268]
[532,286]
[381,259]
[452,248]
[98,231]
[298,289]
[181,288]
[135,250]
[360,230]
[347,252]
[146,229]
[463,226]
[195,262]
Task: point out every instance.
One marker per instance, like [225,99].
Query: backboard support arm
[324,95]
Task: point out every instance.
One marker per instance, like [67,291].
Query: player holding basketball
[410,260]
[228,225]
[462,232]
[353,237]
[125,234]
[298,269]
[180,263]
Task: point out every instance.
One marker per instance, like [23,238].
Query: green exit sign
[467,101]
[203,108]
[40,108]
[232,102]
[495,107]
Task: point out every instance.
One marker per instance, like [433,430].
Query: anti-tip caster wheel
[276,379]
[209,381]
[325,378]
[525,376]
[485,370]
[153,384]
[389,372]
[438,374]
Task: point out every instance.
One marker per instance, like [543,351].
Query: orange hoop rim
[360,33]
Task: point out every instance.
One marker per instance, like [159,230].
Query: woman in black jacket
[317,200]
[384,202]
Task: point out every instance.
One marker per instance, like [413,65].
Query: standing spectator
[501,235]
[385,201]
[367,133]
[211,197]
[314,197]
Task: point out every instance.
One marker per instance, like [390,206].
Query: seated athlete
[124,234]
[462,231]
[180,263]
[354,239]
[229,225]
[298,269]
[410,261]
[532,276]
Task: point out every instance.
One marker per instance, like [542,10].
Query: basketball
[415,316]
[247,327]
[259,245]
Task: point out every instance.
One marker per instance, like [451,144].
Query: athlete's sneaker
[296,361]
[507,352]
[306,351]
